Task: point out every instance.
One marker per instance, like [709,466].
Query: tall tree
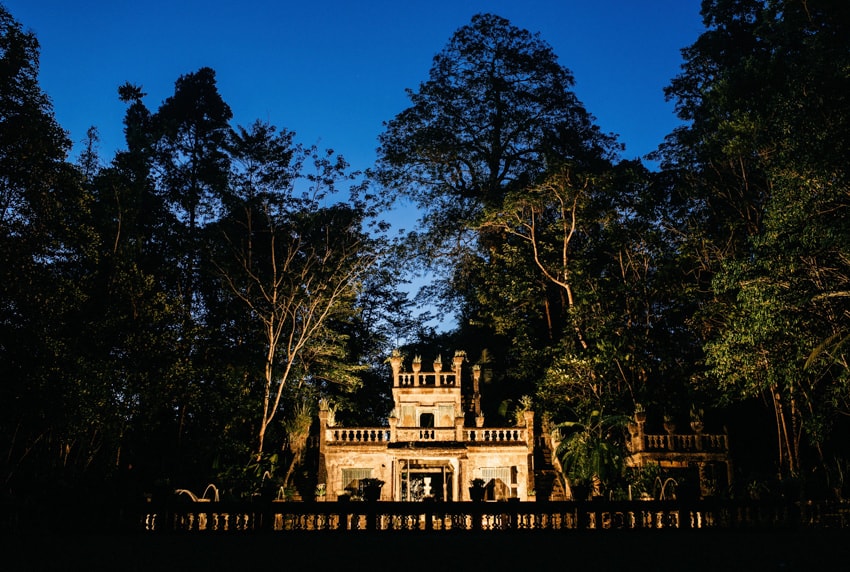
[761,169]
[51,416]
[529,214]
[294,260]
[189,151]
[585,257]
[495,113]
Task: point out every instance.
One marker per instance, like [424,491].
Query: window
[352,480]
[426,420]
[498,481]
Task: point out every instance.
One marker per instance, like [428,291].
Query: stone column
[322,473]
[464,479]
[476,395]
[393,420]
[395,363]
[529,430]
[636,430]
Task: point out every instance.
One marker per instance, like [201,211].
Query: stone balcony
[427,379]
[686,443]
[382,435]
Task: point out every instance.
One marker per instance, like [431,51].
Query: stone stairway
[547,481]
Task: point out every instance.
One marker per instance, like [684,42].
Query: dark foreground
[566,550]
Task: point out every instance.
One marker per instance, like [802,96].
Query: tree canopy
[176,311]
[761,174]
[496,112]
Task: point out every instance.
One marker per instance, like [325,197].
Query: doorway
[425,480]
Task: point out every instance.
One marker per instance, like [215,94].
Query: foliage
[294,264]
[520,200]
[212,279]
[57,406]
[496,104]
[644,480]
[760,168]
[591,452]
[297,428]
[134,291]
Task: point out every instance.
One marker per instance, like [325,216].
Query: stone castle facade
[434,445]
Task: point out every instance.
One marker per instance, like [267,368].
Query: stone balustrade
[358,435]
[376,435]
[487,516]
[427,379]
[508,435]
[689,443]
[405,434]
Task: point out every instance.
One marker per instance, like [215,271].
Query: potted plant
[477,490]
[697,424]
[669,424]
[438,364]
[372,489]
[640,413]
[580,489]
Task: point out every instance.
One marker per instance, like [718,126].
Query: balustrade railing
[427,380]
[369,435]
[686,443]
[494,435]
[358,435]
[426,434]
[490,516]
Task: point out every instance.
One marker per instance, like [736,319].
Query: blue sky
[333,71]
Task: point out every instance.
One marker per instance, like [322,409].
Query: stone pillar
[416,367]
[636,430]
[457,364]
[702,476]
[323,424]
[464,480]
[395,363]
[698,426]
[529,429]
[393,420]
[670,428]
[476,393]
[322,475]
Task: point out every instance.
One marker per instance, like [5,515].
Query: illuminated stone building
[434,444]
[696,455]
